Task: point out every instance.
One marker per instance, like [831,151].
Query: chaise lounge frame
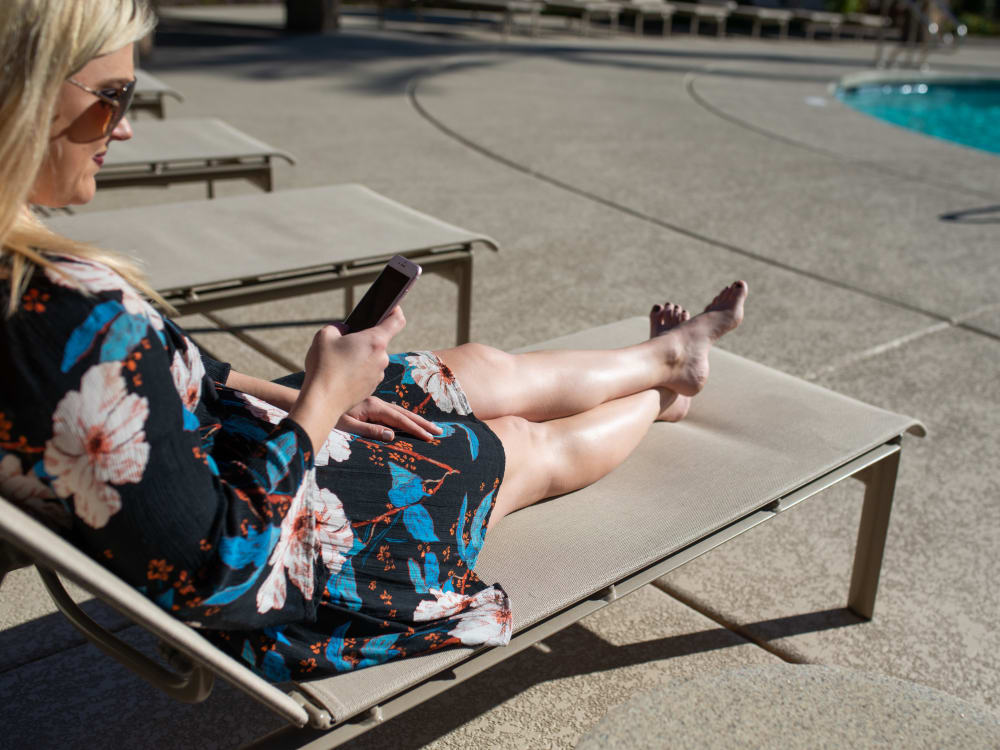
[850,439]
[197,149]
[207,257]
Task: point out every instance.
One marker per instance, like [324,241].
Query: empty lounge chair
[205,257]
[151,94]
[189,150]
[715,11]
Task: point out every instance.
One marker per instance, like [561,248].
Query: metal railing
[931,27]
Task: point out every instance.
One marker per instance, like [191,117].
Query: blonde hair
[42,43]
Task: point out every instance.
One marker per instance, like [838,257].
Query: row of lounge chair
[759,443]
[714,12]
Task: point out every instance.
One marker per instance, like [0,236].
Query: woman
[310,530]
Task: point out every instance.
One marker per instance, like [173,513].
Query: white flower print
[489,622]
[98,439]
[430,374]
[20,486]
[31,492]
[336,448]
[187,371]
[315,525]
[263,410]
[484,618]
[96,277]
[445,604]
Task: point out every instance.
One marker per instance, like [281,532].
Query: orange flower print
[34,300]
[158,570]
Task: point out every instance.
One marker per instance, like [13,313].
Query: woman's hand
[373,417]
[341,371]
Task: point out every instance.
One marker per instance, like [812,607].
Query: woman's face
[76,143]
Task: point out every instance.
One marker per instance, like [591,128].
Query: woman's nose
[122,131]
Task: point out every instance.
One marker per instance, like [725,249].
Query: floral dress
[300,560]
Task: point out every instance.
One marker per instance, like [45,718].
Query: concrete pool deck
[618,172]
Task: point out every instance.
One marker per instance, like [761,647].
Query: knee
[530,453]
[528,472]
[491,359]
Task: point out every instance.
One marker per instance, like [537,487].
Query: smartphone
[385,293]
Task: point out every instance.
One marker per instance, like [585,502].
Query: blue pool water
[963,112]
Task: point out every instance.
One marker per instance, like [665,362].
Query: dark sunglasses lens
[123,101]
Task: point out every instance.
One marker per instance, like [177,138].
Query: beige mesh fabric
[754,435]
[186,139]
[195,243]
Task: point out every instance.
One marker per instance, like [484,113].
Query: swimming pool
[962,110]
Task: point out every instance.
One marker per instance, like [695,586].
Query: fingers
[413,424]
[393,323]
[378,419]
[365,429]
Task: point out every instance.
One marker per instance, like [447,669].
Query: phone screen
[377,299]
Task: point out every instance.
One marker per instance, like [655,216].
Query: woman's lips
[99,158]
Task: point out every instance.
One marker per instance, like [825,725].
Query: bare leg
[547,385]
[545,459]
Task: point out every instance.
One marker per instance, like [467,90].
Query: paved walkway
[616,173]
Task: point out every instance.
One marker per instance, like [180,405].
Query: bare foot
[661,320]
[687,344]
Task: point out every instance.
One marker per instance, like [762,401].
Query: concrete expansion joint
[412,93]
[880,168]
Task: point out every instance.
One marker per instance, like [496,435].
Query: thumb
[340,327]
[394,322]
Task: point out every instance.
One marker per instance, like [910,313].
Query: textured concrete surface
[617,173]
[795,706]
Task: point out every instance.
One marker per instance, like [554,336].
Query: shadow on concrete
[571,652]
[271,53]
[984,215]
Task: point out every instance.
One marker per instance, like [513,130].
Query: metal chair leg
[880,481]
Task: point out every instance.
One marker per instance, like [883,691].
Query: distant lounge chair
[643,9]
[757,443]
[189,150]
[818,20]
[205,257]
[508,10]
[586,11]
[866,24]
[151,94]
[761,16]
[714,11]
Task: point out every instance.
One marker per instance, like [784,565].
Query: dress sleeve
[188,513]
[216,370]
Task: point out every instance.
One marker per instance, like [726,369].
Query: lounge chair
[508,10]
[864,25]
[204,257]
[586,11]
[756,443]
[151,94]
[643,9]
[715,11]
[189,150]
[818,20]
[762,16]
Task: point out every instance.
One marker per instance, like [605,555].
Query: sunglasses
[116,103]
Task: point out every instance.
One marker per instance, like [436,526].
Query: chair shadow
[983,215]
[572,652]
